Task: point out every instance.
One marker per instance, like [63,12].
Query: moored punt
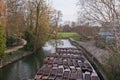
[72,68]
[53,72]
[87,76]
[55,61]
[46,72]
[58,78]
[89,68]
[73,76]
[79,75]
[66,74]
[94,76]
[75,63]
[60,62]
[60,72]
[39,74]
[38,77]
[66,64]
[50,61]
[70,62]
[46,60]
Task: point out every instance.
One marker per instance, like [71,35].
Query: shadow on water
[23,69]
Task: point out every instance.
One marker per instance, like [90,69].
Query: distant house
[107,37]
[110,32]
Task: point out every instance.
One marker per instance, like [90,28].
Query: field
[66,35]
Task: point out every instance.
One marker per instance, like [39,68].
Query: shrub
[11,41]
[29,37]
[113,66]
[2,42]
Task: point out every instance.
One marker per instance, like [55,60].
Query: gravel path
[16,47]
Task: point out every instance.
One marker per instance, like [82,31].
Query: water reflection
[50,46]
[23,69]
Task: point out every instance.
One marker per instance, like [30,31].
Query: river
[27,67]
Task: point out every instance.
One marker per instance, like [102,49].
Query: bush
[29,37]
[2,42]
[11,41]
[113,66]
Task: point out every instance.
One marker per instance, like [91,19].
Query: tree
[38,15]
[16,17]
[102,11]
[113,66]
[3,12]
[3,19]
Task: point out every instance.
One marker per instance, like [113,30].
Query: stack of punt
[66,64]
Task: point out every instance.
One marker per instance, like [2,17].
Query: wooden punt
[60,61]
[39,74]
[65,62]
[52,74]
[84,68]
[66,74]
[46,72]
[38,77]
[75,63]
[89,68]
[70,62]
[51,77]
[73,76]
[94,76]
[81,64]
[58,78]
[79,75]
[46,60]
[72,68]
[60,72]
[66,68]
[87,76]
[81,58]
[55,61]
[50,61]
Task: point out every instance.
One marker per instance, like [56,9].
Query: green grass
[66,35]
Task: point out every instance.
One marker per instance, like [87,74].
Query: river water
[27,67]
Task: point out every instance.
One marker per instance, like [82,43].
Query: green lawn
[65,35]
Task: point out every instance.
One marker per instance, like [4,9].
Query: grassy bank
[66,35]
[14,56]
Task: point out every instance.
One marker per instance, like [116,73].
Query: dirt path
[16,47]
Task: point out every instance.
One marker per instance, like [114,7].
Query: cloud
[67,7]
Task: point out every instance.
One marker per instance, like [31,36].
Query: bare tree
[16,20]
[3,12]
[102,11]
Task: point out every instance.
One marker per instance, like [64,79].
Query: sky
[68,9]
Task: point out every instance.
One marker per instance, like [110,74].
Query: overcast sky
[67,7]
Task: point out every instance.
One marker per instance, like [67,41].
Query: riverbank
[13,57]
[14,54]
[92,58]
[23,69]
[15,48]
